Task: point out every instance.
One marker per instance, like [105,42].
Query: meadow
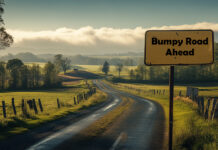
[19,123]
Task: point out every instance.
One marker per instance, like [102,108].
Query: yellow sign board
[179,47]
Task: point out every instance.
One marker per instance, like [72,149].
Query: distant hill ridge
[25,57]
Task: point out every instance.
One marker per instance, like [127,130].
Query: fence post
[13,106]
[206,115]
[74,100]
[58,103]
[22,106]
[40,105]
[213,111]
[34,106]
[4,109]
[180,93]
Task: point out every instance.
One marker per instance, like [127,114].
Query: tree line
[183,74]
[14,74]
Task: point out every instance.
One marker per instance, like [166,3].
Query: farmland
[15,124]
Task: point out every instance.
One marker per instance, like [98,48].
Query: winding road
[142,128]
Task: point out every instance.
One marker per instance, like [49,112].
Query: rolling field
[19,123]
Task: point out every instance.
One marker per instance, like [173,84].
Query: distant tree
[128,62]
[58,61]
[2,74]
[14,66]
[24,76]
[5,39]
[51,75]
[119,68]
[35,76]
[62,63]
[106,67]
[132,74]
[65,64]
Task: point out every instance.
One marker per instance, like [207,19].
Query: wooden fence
[207,106]
[32,105]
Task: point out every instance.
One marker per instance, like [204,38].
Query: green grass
[19,123]
[191,131]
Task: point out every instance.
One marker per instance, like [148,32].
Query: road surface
[142,128]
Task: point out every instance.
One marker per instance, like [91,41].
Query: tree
[62,63]
[2,74]
[132,74]
[119,68]
[106,67]
[5,39]
[51,75]
[24,76]
[65,64]
[58,61]
[14,66]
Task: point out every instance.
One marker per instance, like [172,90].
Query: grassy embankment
[20,123]
[191,131]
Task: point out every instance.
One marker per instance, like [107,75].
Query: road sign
[179,47]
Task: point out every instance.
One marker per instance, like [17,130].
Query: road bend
[140,129]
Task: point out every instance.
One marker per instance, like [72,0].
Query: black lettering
[205,41]
[154,41]
[174,42]
[160,42]
[168,52]
[180,53]
[174,52]
[199,42]
[188,41]
[191,52]
[168,42]
[194,42]
[180,42]
[185,53]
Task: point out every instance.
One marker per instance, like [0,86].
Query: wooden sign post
[178,47]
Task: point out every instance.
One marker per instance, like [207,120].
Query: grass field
[20,123]
[191,131]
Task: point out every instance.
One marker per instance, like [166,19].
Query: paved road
[140,129]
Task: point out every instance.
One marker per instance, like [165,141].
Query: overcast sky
[100,26]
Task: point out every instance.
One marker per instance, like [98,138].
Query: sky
[100,26]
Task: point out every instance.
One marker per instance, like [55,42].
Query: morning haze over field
[99,26]
[100,74]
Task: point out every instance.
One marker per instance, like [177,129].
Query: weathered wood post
[180,93]
[213,111]
[34,106]
[74,100]
[4,109]
[40,105]
[22,106]
[13,106]
[206,115]
[58,103]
